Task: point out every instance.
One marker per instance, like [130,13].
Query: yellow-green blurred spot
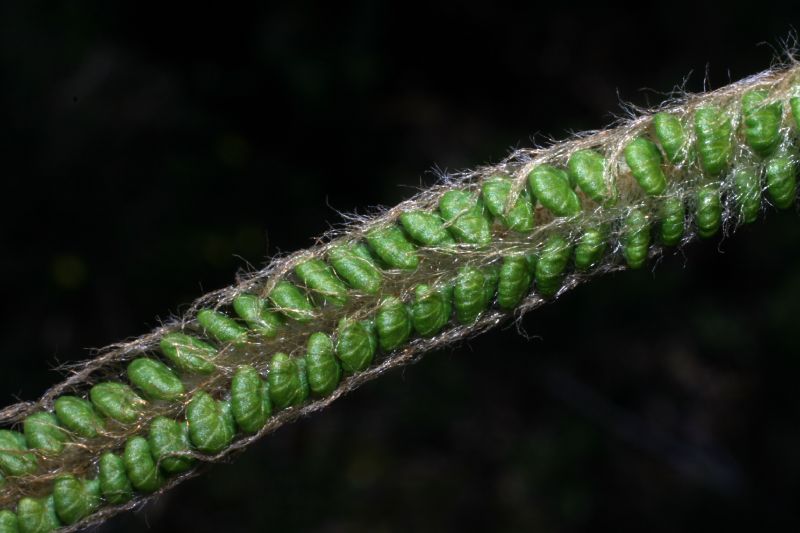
[68,271]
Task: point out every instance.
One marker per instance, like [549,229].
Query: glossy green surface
[520,217]
[780,176]
[392,246]
[75,498]
[188,354]
[155,379]
[794,103]
[256,314]
[221,327]
[672,216]
[140,466]
[319,277]
[747,189]
[14,459]
[708,211]
[78,415]
[644,160]
[117,401]
[491,275]
[358,270]
[587,168]
[114,482]
[355,344]
[467,218]
[762,121]
[363,251]
[514,282]
[322,367]
[250,402]
[671,136]
[392,323]
[290,301]
[714,144]
[167,437]
[635,238]
[288,384]
[43,432]
[552,263]
[590,248]
[551,187]
[426,228]
[469,294]
[37,515]
[431,309]
[8,522]
[211,423]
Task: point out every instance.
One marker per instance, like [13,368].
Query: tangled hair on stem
[438,266]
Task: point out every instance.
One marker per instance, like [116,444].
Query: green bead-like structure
[358,270]
[466,216]
[43,432]
[322,367]
[713,130]
[355,345]
[514,281]
[188,354]
[319,277]
[762,122]
[708,211]
[250,402]
[644,160]
[9,523]
[780,176]
[14,460]
[117,401]
[288,384]
[671,136]
[747,189]
[794,103]
[115,485]
[469,295]
[431,310]
[672,225]
[256,314]
[393,324]
[426,228]
[291,302]
[211,423]
[636,238]
[552,188]
[220,327]
[140,466]
[520,217]
[590,249]
[392,246]
[477,249]
[74,498]
[78,415]
[155,379]
[167,438]
[37,515]
[551,265]
[491,277]
[587,169]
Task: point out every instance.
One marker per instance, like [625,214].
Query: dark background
[148,155]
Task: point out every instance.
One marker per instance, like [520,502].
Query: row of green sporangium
[463,218]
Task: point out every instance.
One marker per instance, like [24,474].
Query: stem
[478,249]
